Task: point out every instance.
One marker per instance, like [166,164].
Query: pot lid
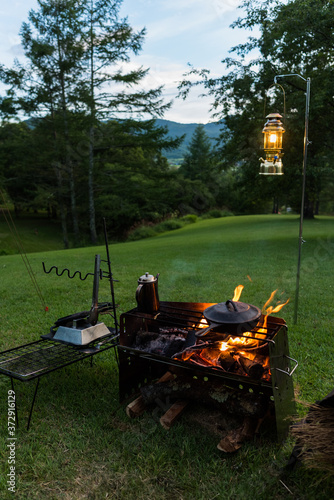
[232,312]
[147,277]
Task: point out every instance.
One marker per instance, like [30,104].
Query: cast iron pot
[233,317]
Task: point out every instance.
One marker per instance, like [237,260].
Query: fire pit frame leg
[282,384]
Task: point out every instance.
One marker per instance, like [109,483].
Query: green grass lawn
[81,444]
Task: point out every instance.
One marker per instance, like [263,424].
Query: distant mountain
[176,129]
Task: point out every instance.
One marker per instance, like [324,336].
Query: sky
[179,32]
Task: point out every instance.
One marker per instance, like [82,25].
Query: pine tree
[198,163]
[76,76]
[109,43]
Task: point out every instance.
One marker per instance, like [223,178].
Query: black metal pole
[110,276]
[301,241]
[301,220]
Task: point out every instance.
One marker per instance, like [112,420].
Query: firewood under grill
[214,393]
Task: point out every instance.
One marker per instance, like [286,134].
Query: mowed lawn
[81,443]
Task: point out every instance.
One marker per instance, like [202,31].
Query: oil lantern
[273,139]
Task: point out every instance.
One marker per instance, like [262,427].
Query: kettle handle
[138,293]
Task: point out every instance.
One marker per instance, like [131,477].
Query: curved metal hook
[60,273]
[265,99]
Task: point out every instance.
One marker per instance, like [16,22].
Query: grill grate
[44,356]
[187,316]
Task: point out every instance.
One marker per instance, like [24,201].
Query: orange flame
[233,347]
[237,293]
[270,309]
[272,295]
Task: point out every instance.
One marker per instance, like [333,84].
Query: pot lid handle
[230,303]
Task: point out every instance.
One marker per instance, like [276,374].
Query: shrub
[189,219]
[216,214]
[168,225]
[141,232]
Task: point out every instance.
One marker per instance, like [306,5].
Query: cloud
[168,73]
[181,16]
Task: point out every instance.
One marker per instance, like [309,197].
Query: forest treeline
[92,148]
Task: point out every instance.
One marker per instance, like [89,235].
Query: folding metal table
[36,359]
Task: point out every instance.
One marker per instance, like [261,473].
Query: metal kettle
[147,293]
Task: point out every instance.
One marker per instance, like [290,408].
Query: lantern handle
[265,98]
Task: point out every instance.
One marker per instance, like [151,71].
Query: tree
[73,54]
[198,162]
[295,37]
[47,85]
[109,42]
[16,166]
[136,182]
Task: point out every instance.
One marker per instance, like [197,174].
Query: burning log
[253,368]
[227,361]
[214,393]
[230,359]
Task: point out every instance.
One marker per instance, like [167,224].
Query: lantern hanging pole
[306,143]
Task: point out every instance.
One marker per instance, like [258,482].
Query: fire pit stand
[138,367]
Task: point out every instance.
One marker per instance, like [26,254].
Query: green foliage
[168,225]
[141,233]
[212,130]
[73,80]
[189,219]
[216,214]
[198,163]
[294,37]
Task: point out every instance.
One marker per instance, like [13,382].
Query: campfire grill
[138,367]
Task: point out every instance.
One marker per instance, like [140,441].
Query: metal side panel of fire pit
[282,384]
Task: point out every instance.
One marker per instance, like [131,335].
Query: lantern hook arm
[291,74]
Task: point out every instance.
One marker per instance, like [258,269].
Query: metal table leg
[32,404]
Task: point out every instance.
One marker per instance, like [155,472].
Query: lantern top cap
[274,115]
[273,123]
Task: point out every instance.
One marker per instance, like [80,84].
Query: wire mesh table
[36,359]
